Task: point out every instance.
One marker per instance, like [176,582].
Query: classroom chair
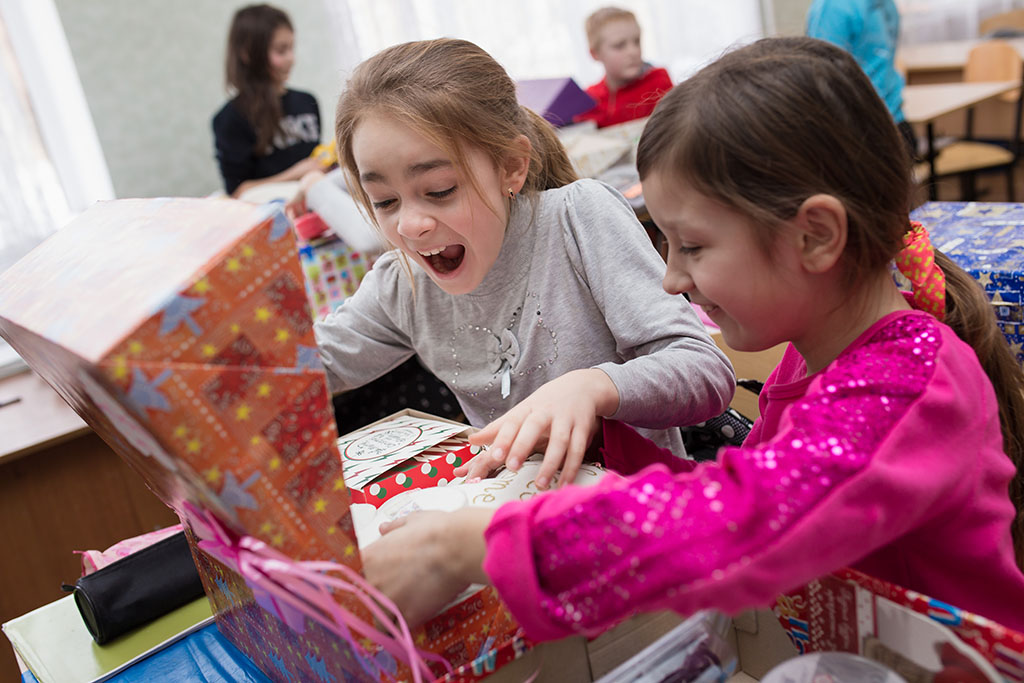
[991,60]
[1003,25]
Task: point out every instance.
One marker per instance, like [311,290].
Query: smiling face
[754,297]
[427,207]
[618,48]
[281,55]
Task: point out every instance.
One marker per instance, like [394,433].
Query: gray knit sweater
[577,284]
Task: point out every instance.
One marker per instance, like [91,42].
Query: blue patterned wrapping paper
[987,240]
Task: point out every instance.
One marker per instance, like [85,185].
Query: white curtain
[32,203]
[51,165]
[541,38]
[929,21]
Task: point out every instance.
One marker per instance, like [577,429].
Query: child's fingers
[388,527]
[531,431]
[479,467]
[502,444]
[574,456]
[483,464]
[486,435]
[558,441]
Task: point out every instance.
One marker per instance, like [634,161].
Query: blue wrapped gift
[987,240]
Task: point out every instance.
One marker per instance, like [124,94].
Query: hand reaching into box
[561,417]
[446,548]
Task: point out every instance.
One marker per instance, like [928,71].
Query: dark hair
[459,97]
[767,126]
[247,69]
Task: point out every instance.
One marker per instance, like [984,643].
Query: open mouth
[445,260]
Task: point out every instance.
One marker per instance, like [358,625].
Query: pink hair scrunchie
[917,262]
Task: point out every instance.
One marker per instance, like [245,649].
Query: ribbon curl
[917,263]
[292,590]
[503,358]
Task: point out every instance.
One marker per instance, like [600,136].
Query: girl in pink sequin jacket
[781,184]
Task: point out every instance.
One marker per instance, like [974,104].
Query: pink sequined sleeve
[733,534]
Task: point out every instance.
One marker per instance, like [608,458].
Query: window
[539,38]
[51,166]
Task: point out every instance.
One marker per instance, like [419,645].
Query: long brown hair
[767,126]
[247,69]
[459,98]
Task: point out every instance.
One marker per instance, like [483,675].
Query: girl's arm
[670,374]
[329,198]
[293,172]
[361,340]
[852,468]
[233,139]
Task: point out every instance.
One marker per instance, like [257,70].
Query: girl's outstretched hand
[563,413]
[424,560]
[296,206]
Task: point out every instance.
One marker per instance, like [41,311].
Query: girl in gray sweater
[534,296]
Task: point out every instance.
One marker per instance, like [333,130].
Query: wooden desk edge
[41,418]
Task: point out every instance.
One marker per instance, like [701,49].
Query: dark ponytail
[247,70]
[970,315]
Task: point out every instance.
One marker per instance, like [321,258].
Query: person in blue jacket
[869,30]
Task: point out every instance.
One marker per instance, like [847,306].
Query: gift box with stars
[180,330]
[987,240]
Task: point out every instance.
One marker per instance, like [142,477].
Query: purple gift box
[556,99]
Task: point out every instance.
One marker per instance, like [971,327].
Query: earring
[511,194]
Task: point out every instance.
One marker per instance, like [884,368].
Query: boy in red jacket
[631,87]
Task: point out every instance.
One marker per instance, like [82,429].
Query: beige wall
[788,15]
[153,76]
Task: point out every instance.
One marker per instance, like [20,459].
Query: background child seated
[630,87]
[267,131]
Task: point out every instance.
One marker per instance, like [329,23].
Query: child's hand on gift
[296,206]
[425,559]
[561,414]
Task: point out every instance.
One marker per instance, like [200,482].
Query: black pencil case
[138,588]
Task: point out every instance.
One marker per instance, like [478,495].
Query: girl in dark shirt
[267,131]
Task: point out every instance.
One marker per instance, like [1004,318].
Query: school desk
[924,104]
[940,62]
[61,489]
[943,62]
[185,646]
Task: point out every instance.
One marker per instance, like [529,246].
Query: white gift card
[370,452]
[502,488]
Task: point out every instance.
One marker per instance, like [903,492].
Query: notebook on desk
[54,644]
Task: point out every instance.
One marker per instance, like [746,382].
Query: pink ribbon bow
[293,590]
[917,263]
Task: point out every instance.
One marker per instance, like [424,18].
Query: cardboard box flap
[125,261]
[179,329]
[558,100]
